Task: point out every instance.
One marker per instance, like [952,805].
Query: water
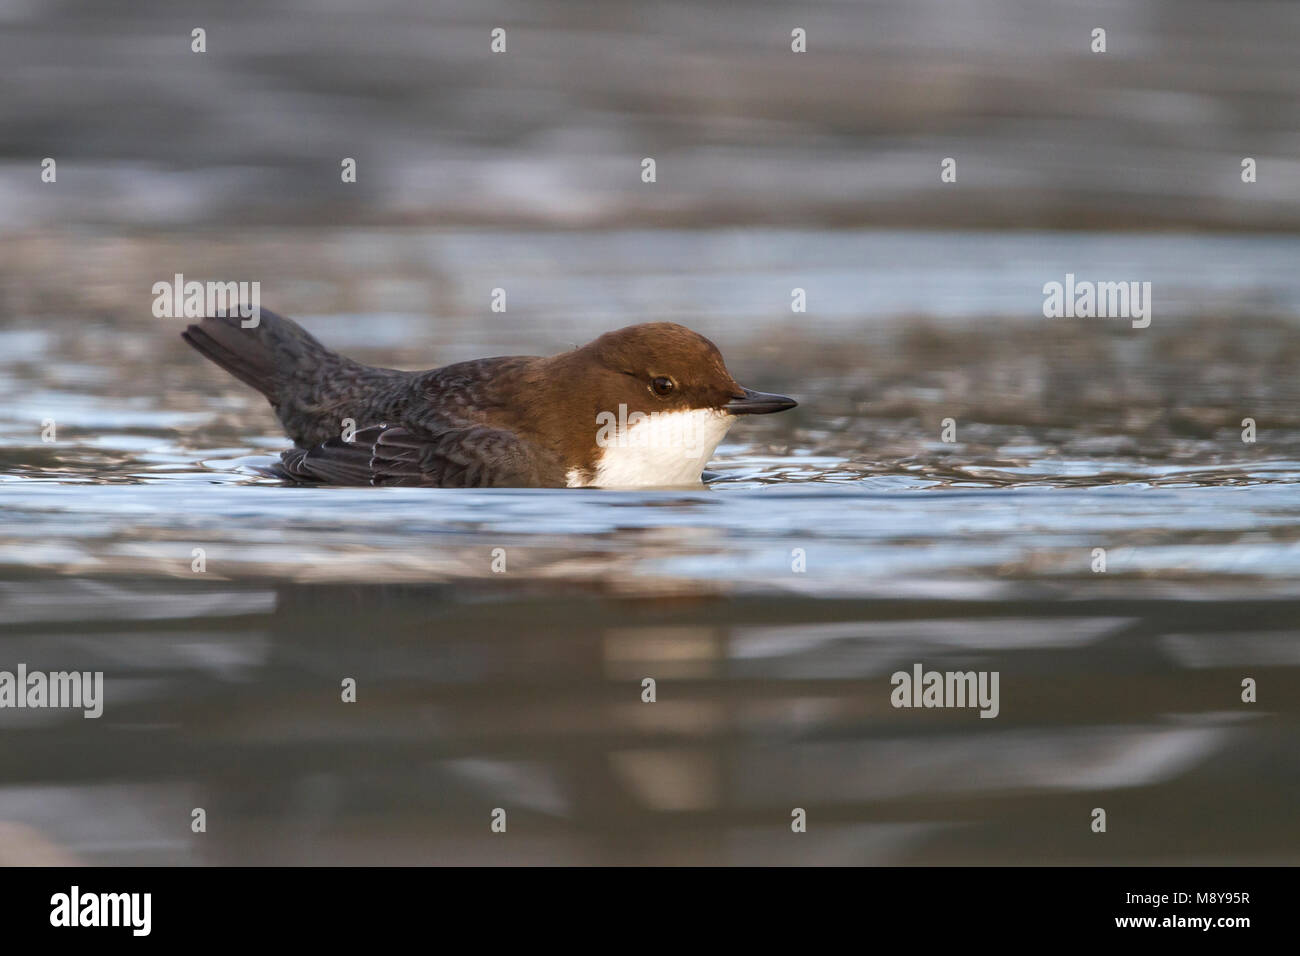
[840,543]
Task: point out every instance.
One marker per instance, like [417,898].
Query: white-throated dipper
[642,406]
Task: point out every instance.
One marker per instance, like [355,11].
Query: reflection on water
[226,696]
[839,544]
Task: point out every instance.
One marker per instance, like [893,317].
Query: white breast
[667,448]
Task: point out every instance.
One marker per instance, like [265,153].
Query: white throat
[663,449]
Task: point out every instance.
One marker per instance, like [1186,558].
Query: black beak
[759,403]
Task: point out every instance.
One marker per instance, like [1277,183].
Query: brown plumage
[518,421]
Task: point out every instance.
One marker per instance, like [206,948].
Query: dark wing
[471,456]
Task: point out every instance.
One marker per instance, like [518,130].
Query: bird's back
[353,423]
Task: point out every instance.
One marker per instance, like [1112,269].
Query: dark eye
[662,385]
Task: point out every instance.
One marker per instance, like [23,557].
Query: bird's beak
[758,403]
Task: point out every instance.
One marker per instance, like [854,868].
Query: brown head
[651,369]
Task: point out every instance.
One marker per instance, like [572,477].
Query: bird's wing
[471,456]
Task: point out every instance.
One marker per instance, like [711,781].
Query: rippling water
[837,544]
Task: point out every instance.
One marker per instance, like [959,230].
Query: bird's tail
[273,351]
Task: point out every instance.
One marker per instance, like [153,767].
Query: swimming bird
[642,406]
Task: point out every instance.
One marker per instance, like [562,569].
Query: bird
[638,407]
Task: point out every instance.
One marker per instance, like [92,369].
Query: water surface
[839,543]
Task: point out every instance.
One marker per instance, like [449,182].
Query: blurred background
[775,171]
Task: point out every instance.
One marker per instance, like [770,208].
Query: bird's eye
[662,385]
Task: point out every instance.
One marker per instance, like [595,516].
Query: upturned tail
[275,351]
